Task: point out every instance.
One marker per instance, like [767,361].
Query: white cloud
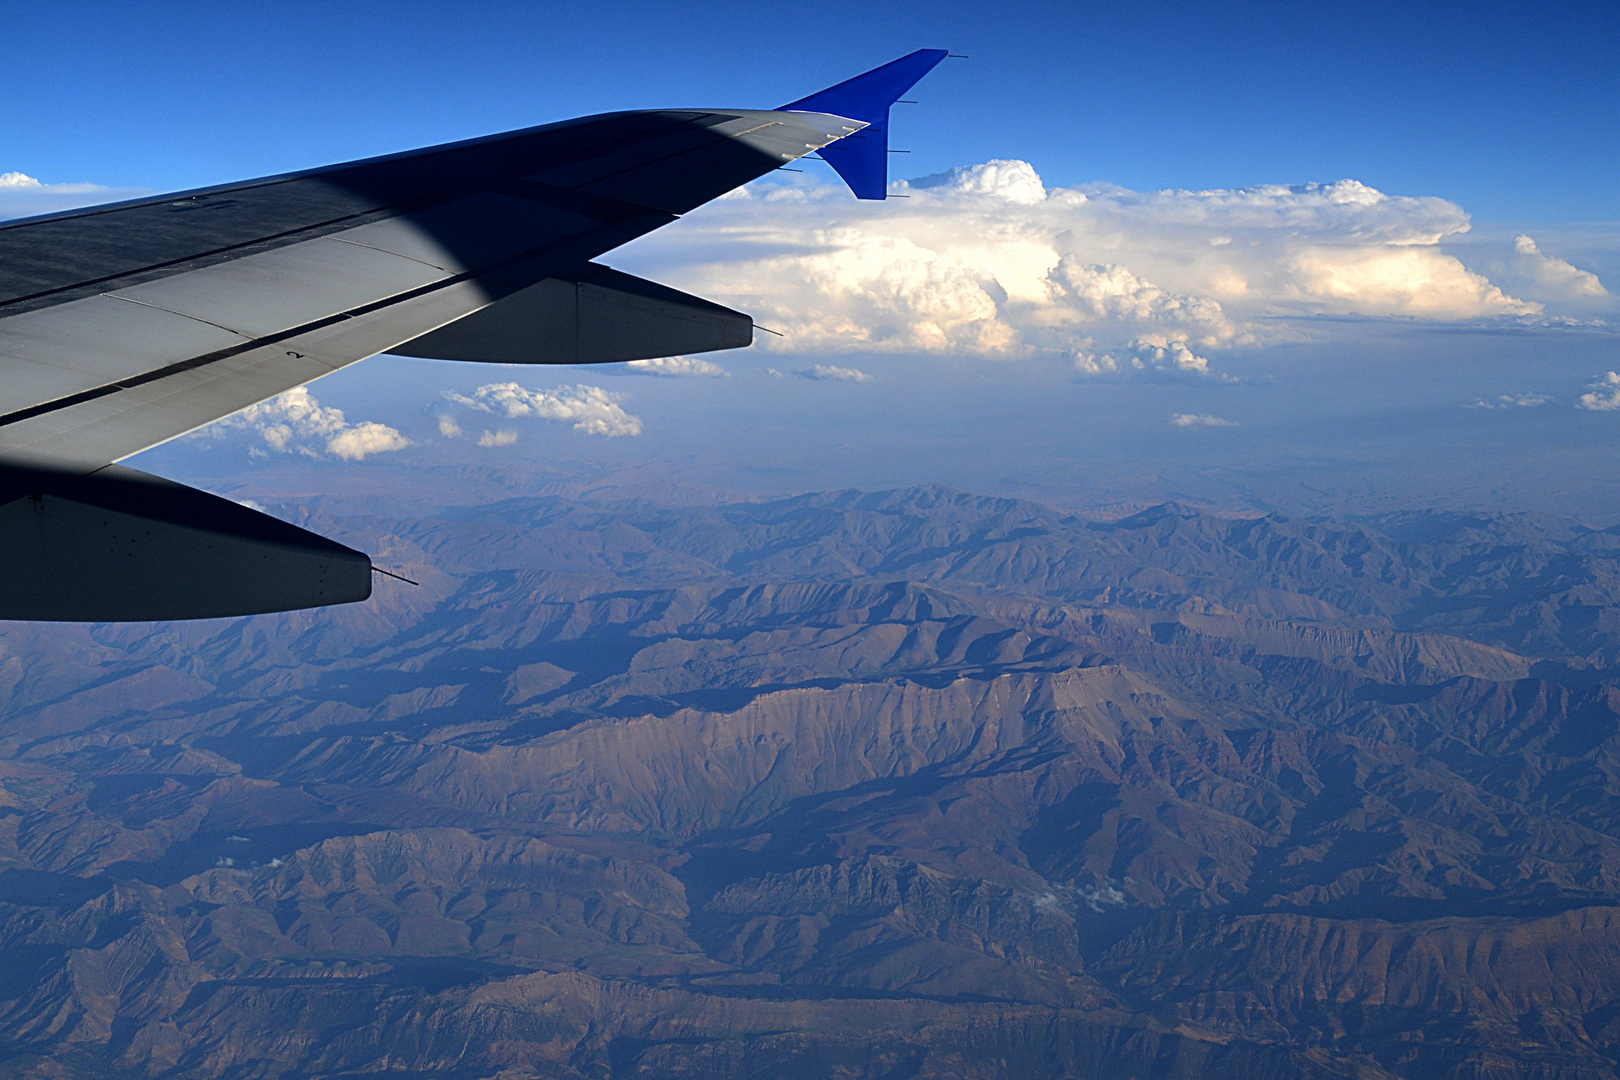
[22,195]
[1014,181]
[1158,354]
[987,260]
[296,423]
[1512,401]
[448,426]
[830,373]
[1098,363]
[1604,395]
[1114,294]
[592,409]
[1182,419]
[1165,352]
[1397,280]
[1552,274]
[355,443]
[679,367]
[497,438]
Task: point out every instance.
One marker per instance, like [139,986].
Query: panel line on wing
[325,226]
[386,251]
[192,363]
[292,236]
[171,311]
[79,423]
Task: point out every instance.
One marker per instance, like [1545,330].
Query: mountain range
[910,783]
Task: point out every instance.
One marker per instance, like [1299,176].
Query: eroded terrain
[908,784]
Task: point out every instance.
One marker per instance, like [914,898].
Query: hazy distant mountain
[906,784]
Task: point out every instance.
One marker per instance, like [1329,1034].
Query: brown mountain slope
[861,785]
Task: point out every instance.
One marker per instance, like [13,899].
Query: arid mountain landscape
[861,785]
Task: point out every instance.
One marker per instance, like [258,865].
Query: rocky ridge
[892,784]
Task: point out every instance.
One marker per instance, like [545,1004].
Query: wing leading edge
[124,326]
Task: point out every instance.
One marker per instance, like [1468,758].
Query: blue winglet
[862,159]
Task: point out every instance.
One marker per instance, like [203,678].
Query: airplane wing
[126,325]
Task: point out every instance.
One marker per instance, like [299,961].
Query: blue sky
[1512,110]
[1296,257]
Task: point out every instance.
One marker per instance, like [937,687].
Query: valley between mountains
[864,785]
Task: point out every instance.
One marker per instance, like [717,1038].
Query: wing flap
[105,337]
[265,294]
[124,419]
[87,343]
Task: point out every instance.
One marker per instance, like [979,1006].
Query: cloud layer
[987,260]
[833,373]
[1198,420]
[678,367]
[591,409]
[1512,401]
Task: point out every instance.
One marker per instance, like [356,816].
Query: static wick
[899,151]
[385,573]
[903,101]
[957,56]
[768,330]
[784,168]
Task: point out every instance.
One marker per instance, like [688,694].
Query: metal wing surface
[124,326]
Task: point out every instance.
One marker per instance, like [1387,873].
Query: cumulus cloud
[988,260]
[1097,363]
[1188,420]
[361,440]
[1604,395]
[678,367]
[296,423]
[497,438]
[1109,293]
[1553,274]
[1156,353]
[1168,351]
[448,427]
[1396,280]
[591,409]
[1512,401]
[1014,181]
[22,195]
[831,373]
